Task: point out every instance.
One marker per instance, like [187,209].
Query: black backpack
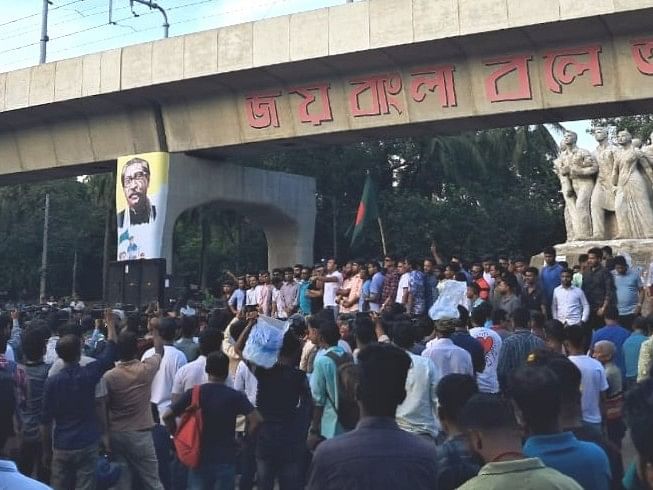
[347,377]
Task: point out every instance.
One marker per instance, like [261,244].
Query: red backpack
[189,433]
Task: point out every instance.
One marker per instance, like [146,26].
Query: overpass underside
[371,69]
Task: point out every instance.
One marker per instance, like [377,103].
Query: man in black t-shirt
[220,406]
[284,400]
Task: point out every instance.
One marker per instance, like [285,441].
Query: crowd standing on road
[396,373]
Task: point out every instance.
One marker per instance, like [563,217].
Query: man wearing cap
[447,357]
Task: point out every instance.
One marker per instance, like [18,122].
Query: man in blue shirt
[376,286]
[237,299]
[535,391]
[69,402]
[631,350]
[430,282]
[10,477]
[550,276]
[616,334]
[303,300]
[324,380]
[630,291]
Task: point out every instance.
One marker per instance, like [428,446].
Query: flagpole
[385,250]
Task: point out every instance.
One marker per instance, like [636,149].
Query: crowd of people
[531,381]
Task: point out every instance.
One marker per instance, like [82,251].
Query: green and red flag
[368,211]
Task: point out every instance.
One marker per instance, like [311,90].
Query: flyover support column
[282,204]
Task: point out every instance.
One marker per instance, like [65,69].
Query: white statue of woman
[633,207]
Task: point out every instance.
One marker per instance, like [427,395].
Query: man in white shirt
[488,380]
[447,356]
[246,382]
[569,304]
[194,373]
[593,384]
[403,288]
[250,294]
[418,413]
[173,360]
[332,283]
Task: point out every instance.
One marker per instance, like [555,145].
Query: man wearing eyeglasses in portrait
[135,179]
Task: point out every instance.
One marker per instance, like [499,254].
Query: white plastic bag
[265,341]
[453,293]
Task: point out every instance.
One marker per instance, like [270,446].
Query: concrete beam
[198,92]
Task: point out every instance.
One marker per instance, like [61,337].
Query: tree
[103,188]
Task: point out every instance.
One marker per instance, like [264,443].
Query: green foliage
[475,193]
[75,223]
[639,126]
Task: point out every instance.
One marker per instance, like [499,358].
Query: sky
[77,27]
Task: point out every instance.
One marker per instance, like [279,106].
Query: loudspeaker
[132,283]
[115,283]
[152,273]
[136,282]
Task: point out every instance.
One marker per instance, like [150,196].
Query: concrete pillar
[282,204]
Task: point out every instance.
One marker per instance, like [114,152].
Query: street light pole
[44,31]
[153,5]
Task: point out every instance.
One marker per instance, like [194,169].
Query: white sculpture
[602,199]
[632,178]
[567,193]
[580,167]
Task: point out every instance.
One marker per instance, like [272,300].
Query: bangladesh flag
[368,211]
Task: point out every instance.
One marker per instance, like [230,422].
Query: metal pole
[334,204]
[44,254]
[385,249]
[74,288]
[153,5]
[44,31]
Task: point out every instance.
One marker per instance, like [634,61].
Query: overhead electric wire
[39,13]
[68,17]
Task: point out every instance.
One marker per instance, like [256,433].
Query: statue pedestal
[640,250]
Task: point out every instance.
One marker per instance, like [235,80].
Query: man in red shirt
[477,275]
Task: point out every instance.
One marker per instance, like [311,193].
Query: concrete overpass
[367,69]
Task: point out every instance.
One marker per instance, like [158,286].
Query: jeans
[163,449]
[74,468]
[247,462]
[211,476]
[288,474]
[135,449]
